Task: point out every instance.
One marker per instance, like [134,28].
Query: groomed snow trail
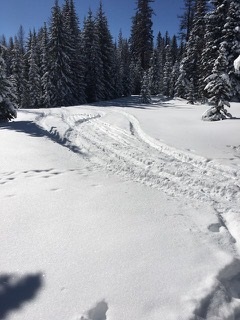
[136,156]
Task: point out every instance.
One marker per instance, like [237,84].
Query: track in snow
[135,156]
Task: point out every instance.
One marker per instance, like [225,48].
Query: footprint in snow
[214,227]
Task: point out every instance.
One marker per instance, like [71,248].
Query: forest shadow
[134,102]
[26,126]
[33,130]
[15,291]
[125,102]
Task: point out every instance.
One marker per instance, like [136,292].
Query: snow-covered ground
[120,211]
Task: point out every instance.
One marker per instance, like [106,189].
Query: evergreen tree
[43,40]
[167,71]
[231,37]
[182,83]
[59,78]
[106,53]
[160,49]
[94,75]
[117,73]
[136,74]
[214,21]
[155,73]
[34,77]
[7,107]
[186,20]
[72,31]
[141,39]
[191,67]
[16,73]
[145,95]
[173,79]
[123,61]
[21,39]
[218,89]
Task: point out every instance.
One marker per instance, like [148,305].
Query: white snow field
[120,211]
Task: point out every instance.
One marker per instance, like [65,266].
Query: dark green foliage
[93,77]
[7,107]
[106,50]
[186,20]
[141,39]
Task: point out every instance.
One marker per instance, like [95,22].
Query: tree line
[63,64]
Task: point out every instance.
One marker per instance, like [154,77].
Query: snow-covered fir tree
[122,75]
[76,65]
[214,24]
[16,73]
[44,62]
[190,65]
[167,70]
[94,75]
[34,76]
[218,89]
[141,39]
[136,74]
[8,110]
[145,94]
[231,36]
[59,84]
[155,73]
[106,49]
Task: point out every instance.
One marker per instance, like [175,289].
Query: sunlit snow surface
[120,211]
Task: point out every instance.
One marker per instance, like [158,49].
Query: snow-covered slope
[120,211]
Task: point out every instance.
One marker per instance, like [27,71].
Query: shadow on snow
[15,291]
[33,130]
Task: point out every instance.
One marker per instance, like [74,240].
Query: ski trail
[136,156]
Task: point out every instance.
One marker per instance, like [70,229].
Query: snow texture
[120,211]
[236,64]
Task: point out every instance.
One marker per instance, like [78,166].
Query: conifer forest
[65,64]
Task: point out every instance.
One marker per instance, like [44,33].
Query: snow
[120,211]
[236,63]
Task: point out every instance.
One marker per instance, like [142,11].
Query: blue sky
[32,14]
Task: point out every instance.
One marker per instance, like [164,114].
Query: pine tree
[182,83]
[155,73]
[141,39]
[186,20]
[214,22]
[231,37]
[167,71]
[145,95]
[94,75]
[72,31]
[160,49]
[218,89]
[191,67]
[43,40]
[173,79]
[7,107]
[34,77]
[106,53]
[59,77]
[21,39]
[16,73]
[136,75]
[122,77]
